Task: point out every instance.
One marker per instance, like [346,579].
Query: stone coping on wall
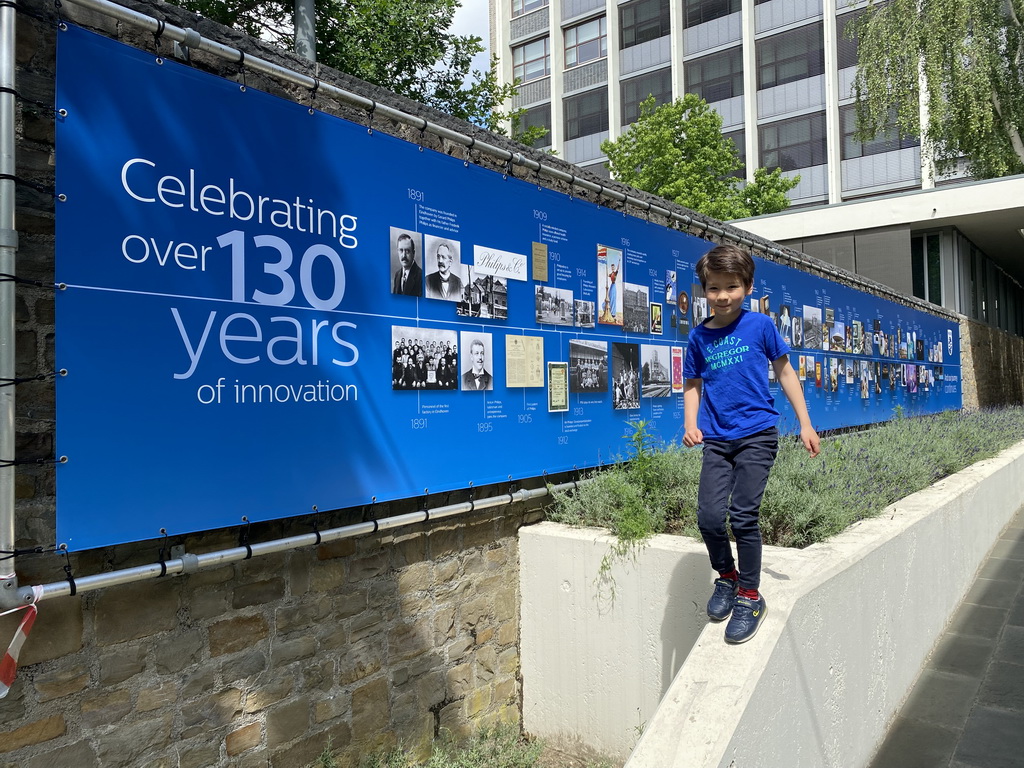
[850,623]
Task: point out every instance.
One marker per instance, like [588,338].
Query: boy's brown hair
[726,258]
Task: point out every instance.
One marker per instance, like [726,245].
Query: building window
[639,89]
[846,41]
[697,12]
[643,20]
[926,267]
[793,55]
[531,61]
[586,114]
[520,7]
[795,143]
[887,140]
[716,77]
[586,42]
[539,116]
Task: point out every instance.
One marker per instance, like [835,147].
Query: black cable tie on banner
[243,537]
[513,487]
[37,377]
[426,505]
[469,148]
[160,27]
[423,132]
[472,498]
[6,278]
[369,116]
[67,570]
[26,183]
[61,26]
[369,511]
[508,168]
[316,525]
[25,99]
[312,94]
[40,462]
[163,553]
[241,68]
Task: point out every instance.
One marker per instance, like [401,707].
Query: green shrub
[856,476]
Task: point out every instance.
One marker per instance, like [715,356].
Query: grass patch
[856,476]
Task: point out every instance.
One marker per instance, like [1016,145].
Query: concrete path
[967,708]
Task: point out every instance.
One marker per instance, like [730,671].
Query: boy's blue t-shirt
[732,363]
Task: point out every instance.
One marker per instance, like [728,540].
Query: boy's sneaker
[747,616]
[720,604]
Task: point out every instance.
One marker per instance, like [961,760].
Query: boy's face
[726,294]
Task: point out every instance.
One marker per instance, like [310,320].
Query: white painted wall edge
[850,624]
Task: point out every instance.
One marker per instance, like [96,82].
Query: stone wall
[360,644]
[993,366]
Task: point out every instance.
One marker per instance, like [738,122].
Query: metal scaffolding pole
[8,247]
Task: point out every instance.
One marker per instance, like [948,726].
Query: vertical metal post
[305,29]
[8,246]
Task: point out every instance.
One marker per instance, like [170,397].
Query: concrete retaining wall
[850,623]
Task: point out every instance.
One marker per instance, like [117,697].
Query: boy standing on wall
[726,393]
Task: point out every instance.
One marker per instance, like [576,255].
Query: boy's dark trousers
[732,479]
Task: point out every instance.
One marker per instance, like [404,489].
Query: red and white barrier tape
[9,663]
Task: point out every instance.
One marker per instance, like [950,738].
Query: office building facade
[780,73]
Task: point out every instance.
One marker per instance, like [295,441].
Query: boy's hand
[810,440]
[694,436]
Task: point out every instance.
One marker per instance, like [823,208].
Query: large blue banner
[269,308]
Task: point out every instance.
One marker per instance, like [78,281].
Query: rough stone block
[407,640]
[370,709]
[106,708]
[477,702]
[261,697]
[328,577]
[237,634]
[331,708]
[36,732]
[292,650]
[243,665]
[302,616]
[243,739]
[210,713]
[135,610]
[117,665]
[70,677]
[369,567]
[162,695]
[200,756]
[362,661]
[126,745]
[459,681]
[79,755]
[287,722]
[174,653]
[336,549]
[415,578]
[259,593]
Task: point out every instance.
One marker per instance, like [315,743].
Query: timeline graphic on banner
[270,308]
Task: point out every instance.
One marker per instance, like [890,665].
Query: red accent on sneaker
[750,594]
[733,574]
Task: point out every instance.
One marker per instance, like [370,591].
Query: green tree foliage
[405,46]
[968,55]
[677,151]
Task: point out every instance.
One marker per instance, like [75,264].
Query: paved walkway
[967,708]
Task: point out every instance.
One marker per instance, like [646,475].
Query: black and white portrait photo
[406,269]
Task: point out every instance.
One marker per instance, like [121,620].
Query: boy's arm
[790,384]
[691,405]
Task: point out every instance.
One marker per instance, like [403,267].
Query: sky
[471,19]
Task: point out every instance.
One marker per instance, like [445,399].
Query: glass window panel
[793,55]
[643,21]
[586,114]
[716,77]
[531,60]
[793,144]
[586,42]
[638,89]
[697,12]
[520,7]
